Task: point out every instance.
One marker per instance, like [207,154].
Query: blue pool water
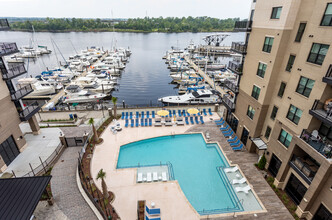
[197,167]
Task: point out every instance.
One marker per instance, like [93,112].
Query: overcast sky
[124,8]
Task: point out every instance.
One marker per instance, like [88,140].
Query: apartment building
[282,105]
[12,110]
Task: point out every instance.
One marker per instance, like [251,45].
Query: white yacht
[40,88]
[198,97]
[76,95]
[94,85]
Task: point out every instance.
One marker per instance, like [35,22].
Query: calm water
[146,77]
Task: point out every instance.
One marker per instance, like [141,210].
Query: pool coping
[178,185]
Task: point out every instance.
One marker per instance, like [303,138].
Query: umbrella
[192,111]
[162,113]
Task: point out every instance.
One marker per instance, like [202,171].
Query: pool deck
[168,196]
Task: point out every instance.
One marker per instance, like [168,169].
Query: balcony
[232,86]
[8,49]
[235,67]
[321,145]
[14,71]
[29,111]
[4,25]
[239,47]
[319,111]
[243,26]
[328,77]
[306,168]
[228,103]
[19,94]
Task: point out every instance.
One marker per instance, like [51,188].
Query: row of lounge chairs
[227,131]
[244,189]
[152,213]
[146,122]
[179,113]
[155,176]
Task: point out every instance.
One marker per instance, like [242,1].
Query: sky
[125,8]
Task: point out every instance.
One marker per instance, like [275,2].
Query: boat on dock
[202,96]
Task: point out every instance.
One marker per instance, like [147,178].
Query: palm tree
[102,175]
[95,134]
[114,100]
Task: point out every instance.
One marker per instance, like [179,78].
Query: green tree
[114,100]
[102,175]
[95,134]
[262,163]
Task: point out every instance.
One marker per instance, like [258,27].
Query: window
[255,92]
[281,89]
[294,114]
[327,18]
[251,112]
[261,69]
[268,44]
[285,138]
[305,86]
[274,112]
[318,53]
[276,11]
[300,32]
[326,131]
[290,63]
[267,132]
[322,213]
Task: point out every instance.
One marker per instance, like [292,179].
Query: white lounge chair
[240,181]
[207,135]
[168,122]
[231,170]
[157,122]
[179,121]
[139,177]
[243,189]
[148,177]
[164,176]
[155,176]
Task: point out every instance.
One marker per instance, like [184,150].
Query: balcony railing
[4,25]
[239,47]
[235,67]
[19,94]
[306,169]
[29,111]
[324,147]
[328,77]
[243,26]
[232,86]
[8,48]
[320,111]
[14,71]
[229,104]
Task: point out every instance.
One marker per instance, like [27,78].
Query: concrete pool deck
[167,196]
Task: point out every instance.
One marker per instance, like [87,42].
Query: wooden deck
[245,160]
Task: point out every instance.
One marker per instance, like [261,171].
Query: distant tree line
[169,24]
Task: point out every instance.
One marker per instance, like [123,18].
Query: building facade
[284,104]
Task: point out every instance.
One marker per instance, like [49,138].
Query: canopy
[261,145]
[192,111]
[162,113]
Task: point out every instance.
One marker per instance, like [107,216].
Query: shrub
[293,208]
[270,180]
[285,198]
[273,187]
[262,162]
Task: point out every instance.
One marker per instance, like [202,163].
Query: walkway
[64,187]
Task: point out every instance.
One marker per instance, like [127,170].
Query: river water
[146,77]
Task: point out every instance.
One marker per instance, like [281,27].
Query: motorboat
[40,88]
[197,97]
[14,59]
[94,85]
[74,94]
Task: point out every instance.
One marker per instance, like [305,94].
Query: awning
[261,145]
[20,196]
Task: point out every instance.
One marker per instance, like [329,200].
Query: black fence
[29,111]
[14,71]
[232,86]
[4,25]
[235,67]
[228,103]
[243,26]
[8,48]
[21,92]
[239,47]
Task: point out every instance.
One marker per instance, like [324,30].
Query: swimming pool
[197,167]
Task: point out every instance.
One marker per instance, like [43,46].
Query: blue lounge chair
[221,123]
[137,124]
[184,113]
[146,122]
[238,148]
[187,121]
[153,114]
[192,120]
[210,112]
[170,113]
[142,122]
[142,114]
[204,111]
[127,116]
[226,131]
[224,128]
[174,113]
[196,120]
[122,115]
[235,143]
[179,113]
[201,119]
[127,123]
[220,120]
[229,134]
[137,114]
[147,114]
[152,211]
[150,121]
[130,115]
[132,123]
[152,218]
[233,139]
